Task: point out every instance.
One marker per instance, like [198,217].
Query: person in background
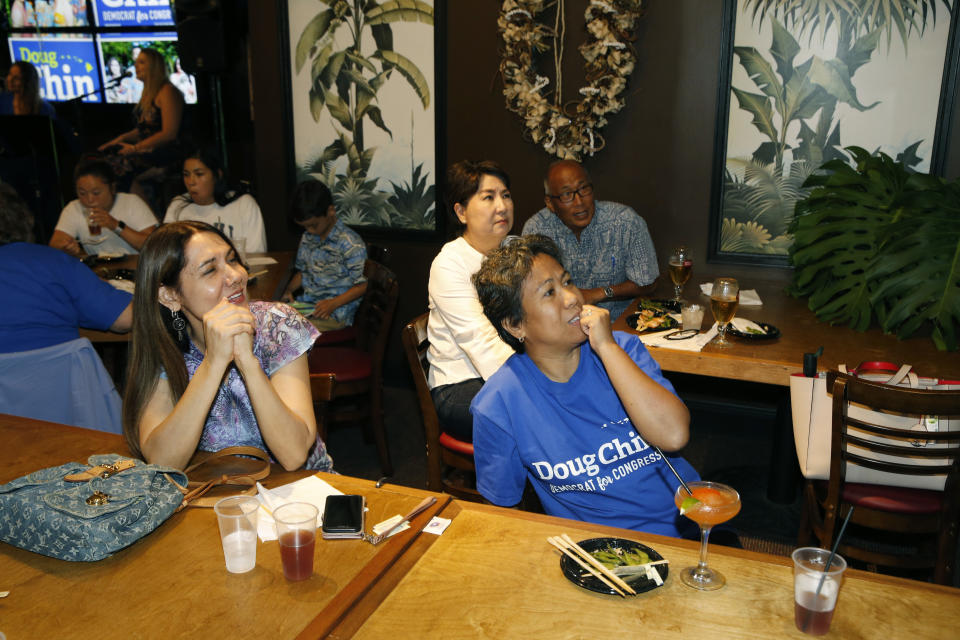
[208,368]
[140,156]
[579,409]
[118,91]
[47,295]
[605,245]
[122,220]
[22,97]
[464,347]
[211,199]
[330,259]
[184,81]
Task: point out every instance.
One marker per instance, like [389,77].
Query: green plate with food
[624,557]
[303,307]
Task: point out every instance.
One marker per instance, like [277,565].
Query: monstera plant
[875,241]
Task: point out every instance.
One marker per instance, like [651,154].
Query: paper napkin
[311,489]
[748,297]
[696,343]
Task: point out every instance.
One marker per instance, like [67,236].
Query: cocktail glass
[718,503]
[680,267]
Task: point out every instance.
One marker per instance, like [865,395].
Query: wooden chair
[321,388]
[927,520]
[450,466]
[359,368]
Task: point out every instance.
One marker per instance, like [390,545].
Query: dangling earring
[179,324]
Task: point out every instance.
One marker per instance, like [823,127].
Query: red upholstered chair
[358,394]
[922,522]
[450,465]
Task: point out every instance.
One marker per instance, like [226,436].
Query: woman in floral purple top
[208,368]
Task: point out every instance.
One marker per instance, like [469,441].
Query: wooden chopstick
[256,273]
[559,544]
[597,564]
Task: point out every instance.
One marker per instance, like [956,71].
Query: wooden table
[173,583]
[493,575]
[268,286]
[773,361]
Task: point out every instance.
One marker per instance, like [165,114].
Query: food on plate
[611,557]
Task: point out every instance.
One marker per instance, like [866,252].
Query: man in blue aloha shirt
[329,261]
[605,245]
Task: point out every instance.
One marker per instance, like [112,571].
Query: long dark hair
[224,192]
[154,344]
[30,80]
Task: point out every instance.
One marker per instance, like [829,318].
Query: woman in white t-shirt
[102,221]
[209,199]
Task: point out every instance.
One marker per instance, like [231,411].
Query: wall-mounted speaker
[200,32]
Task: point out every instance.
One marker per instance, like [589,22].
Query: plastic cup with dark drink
[94,229]
[297,535]
[815,591]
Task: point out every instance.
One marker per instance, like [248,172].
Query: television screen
[47,14]
[66,63]
[133,13]
[118,52]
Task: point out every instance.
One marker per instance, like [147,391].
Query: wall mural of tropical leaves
[349,53]
[879,242]
[802,94]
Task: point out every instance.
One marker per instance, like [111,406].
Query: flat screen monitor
[47,14]
[133,13]
[66,63]
[118,51]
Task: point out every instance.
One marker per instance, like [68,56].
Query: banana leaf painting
[363,95]
[803,79]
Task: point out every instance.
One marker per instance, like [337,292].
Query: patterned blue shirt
[616,246]
[282,336]
[331,266]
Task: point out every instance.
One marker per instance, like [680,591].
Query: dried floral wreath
[568,130]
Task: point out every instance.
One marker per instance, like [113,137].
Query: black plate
[112,273]
[639,583]
[673,306]
[771,332]
[668,323]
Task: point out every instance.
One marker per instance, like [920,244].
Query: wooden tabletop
[772,361]
[173,583]
[493,575]
[265,286]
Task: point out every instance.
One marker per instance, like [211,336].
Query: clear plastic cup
[297,535]
[237,517]
[692,316]
[812,611]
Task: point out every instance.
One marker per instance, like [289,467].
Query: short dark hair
[16,221]
[310,199]
[463,182]
[95,166]
[500,279]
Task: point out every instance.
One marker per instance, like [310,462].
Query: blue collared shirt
[330,266]
[616,246]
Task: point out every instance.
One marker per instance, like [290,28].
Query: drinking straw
[667,460]
[826,568]
[833,552]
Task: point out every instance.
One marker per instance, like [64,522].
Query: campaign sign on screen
[133,13]
[67,66]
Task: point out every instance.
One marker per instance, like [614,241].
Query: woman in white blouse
[465,349]
[210,199]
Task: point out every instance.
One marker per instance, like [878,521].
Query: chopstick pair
[565,544]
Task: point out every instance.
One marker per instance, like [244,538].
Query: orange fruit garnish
[710,497]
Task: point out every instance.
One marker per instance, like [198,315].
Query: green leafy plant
[345,80]
[413,201]
[875,240]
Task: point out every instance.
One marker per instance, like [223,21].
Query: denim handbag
[87,512]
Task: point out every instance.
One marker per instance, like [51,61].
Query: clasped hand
[228,331]
[595,322]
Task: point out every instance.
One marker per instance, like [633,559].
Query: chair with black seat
[450,466]
[924,522]
[358,394]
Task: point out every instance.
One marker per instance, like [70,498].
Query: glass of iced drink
[815,589]
[297,534]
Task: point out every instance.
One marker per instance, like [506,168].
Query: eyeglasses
[567,196]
